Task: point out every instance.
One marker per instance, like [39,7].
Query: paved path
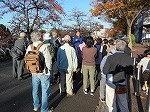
[15,95]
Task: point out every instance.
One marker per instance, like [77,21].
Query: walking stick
[129,93]
[137,93]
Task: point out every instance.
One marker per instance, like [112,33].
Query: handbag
[146,75]
[17,53]
[120,89]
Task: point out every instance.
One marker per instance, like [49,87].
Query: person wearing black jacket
[18,64]
[119,65]
[105,48]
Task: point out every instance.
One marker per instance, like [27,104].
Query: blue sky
[68,5]
[82,5]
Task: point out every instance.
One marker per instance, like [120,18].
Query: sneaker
[85,91]
[51,109]
[69,95]
[20,78]
[35,109]
[146,92]
[92,93]
[62,93]
[102,100]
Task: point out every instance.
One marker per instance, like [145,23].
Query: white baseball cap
[46,36]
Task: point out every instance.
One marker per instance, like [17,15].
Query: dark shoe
[51,109]
[69,95]
[14,77]
[63,93]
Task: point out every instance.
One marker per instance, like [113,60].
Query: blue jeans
[42,81]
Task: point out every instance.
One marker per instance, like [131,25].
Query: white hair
[120,45]
[22,35]
[36,36]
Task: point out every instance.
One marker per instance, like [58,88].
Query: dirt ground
[138,49]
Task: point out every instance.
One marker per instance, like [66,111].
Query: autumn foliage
[31,14]
[126,11]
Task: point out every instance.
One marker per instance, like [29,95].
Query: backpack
[52,50]
[33,60]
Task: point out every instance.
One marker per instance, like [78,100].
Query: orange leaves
[97,9]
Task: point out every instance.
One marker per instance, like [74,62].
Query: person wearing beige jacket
[41,79]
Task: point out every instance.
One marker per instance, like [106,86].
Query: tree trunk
[129,35]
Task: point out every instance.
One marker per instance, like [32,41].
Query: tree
[4,31]
[77,18]
[114,10]
[31,14]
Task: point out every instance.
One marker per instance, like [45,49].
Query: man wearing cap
[18,64]
[120,65]
[67,64]
[51,48]
[127,50]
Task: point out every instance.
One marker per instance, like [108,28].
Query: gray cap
[126,39]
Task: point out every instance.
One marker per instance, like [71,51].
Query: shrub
[133,40]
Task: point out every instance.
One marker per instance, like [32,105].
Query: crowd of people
[108,61]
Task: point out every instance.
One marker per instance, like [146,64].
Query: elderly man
[41,79]
[18,64]
[119,65]
[54,40]
[67,64]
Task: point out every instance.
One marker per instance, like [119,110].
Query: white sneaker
[85,91]
[92,93]
[35,109]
